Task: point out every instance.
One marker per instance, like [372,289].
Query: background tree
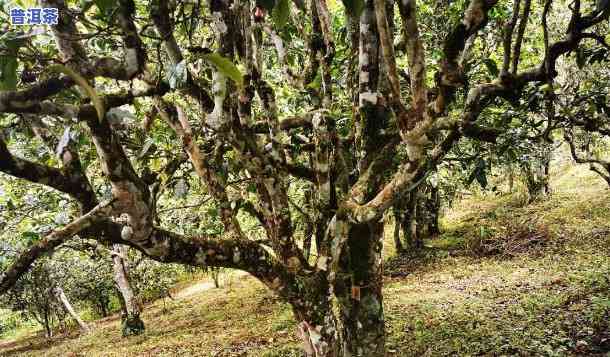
[34,297]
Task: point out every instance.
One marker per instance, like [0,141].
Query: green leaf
[10,42]
[31,237]
[105,6]
[225,66]
[13,40]
[546,88]
[354,7]
[492,67]
[213,212]
[148,143]
[8,72]
[82,82]
[316,84]
[281,13]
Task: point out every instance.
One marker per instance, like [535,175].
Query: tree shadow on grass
[35,343]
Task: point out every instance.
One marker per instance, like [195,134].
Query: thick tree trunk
[131,322]
[44,320]
[349,319]
[61,322]
[308,231]
[421,216]
[61,297]
[427,212]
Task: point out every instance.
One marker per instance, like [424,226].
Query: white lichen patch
[364,76]
[364,27]
[370,97]
[126,233]
[131,61]
[216,118]
[316,121]
[218,23]
[322,263]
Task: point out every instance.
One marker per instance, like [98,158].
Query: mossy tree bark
[347,317]
[357,296]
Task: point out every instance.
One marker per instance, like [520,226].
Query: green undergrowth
[504,278]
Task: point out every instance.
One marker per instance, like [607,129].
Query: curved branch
[387,50]
[582,160]
[135,53]
[293,78]
[159,13]
[47,244]
[15,101]
[450,75]
[74,185]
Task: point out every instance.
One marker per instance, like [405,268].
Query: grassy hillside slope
[503,279]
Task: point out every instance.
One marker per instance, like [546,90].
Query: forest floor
[503,279]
